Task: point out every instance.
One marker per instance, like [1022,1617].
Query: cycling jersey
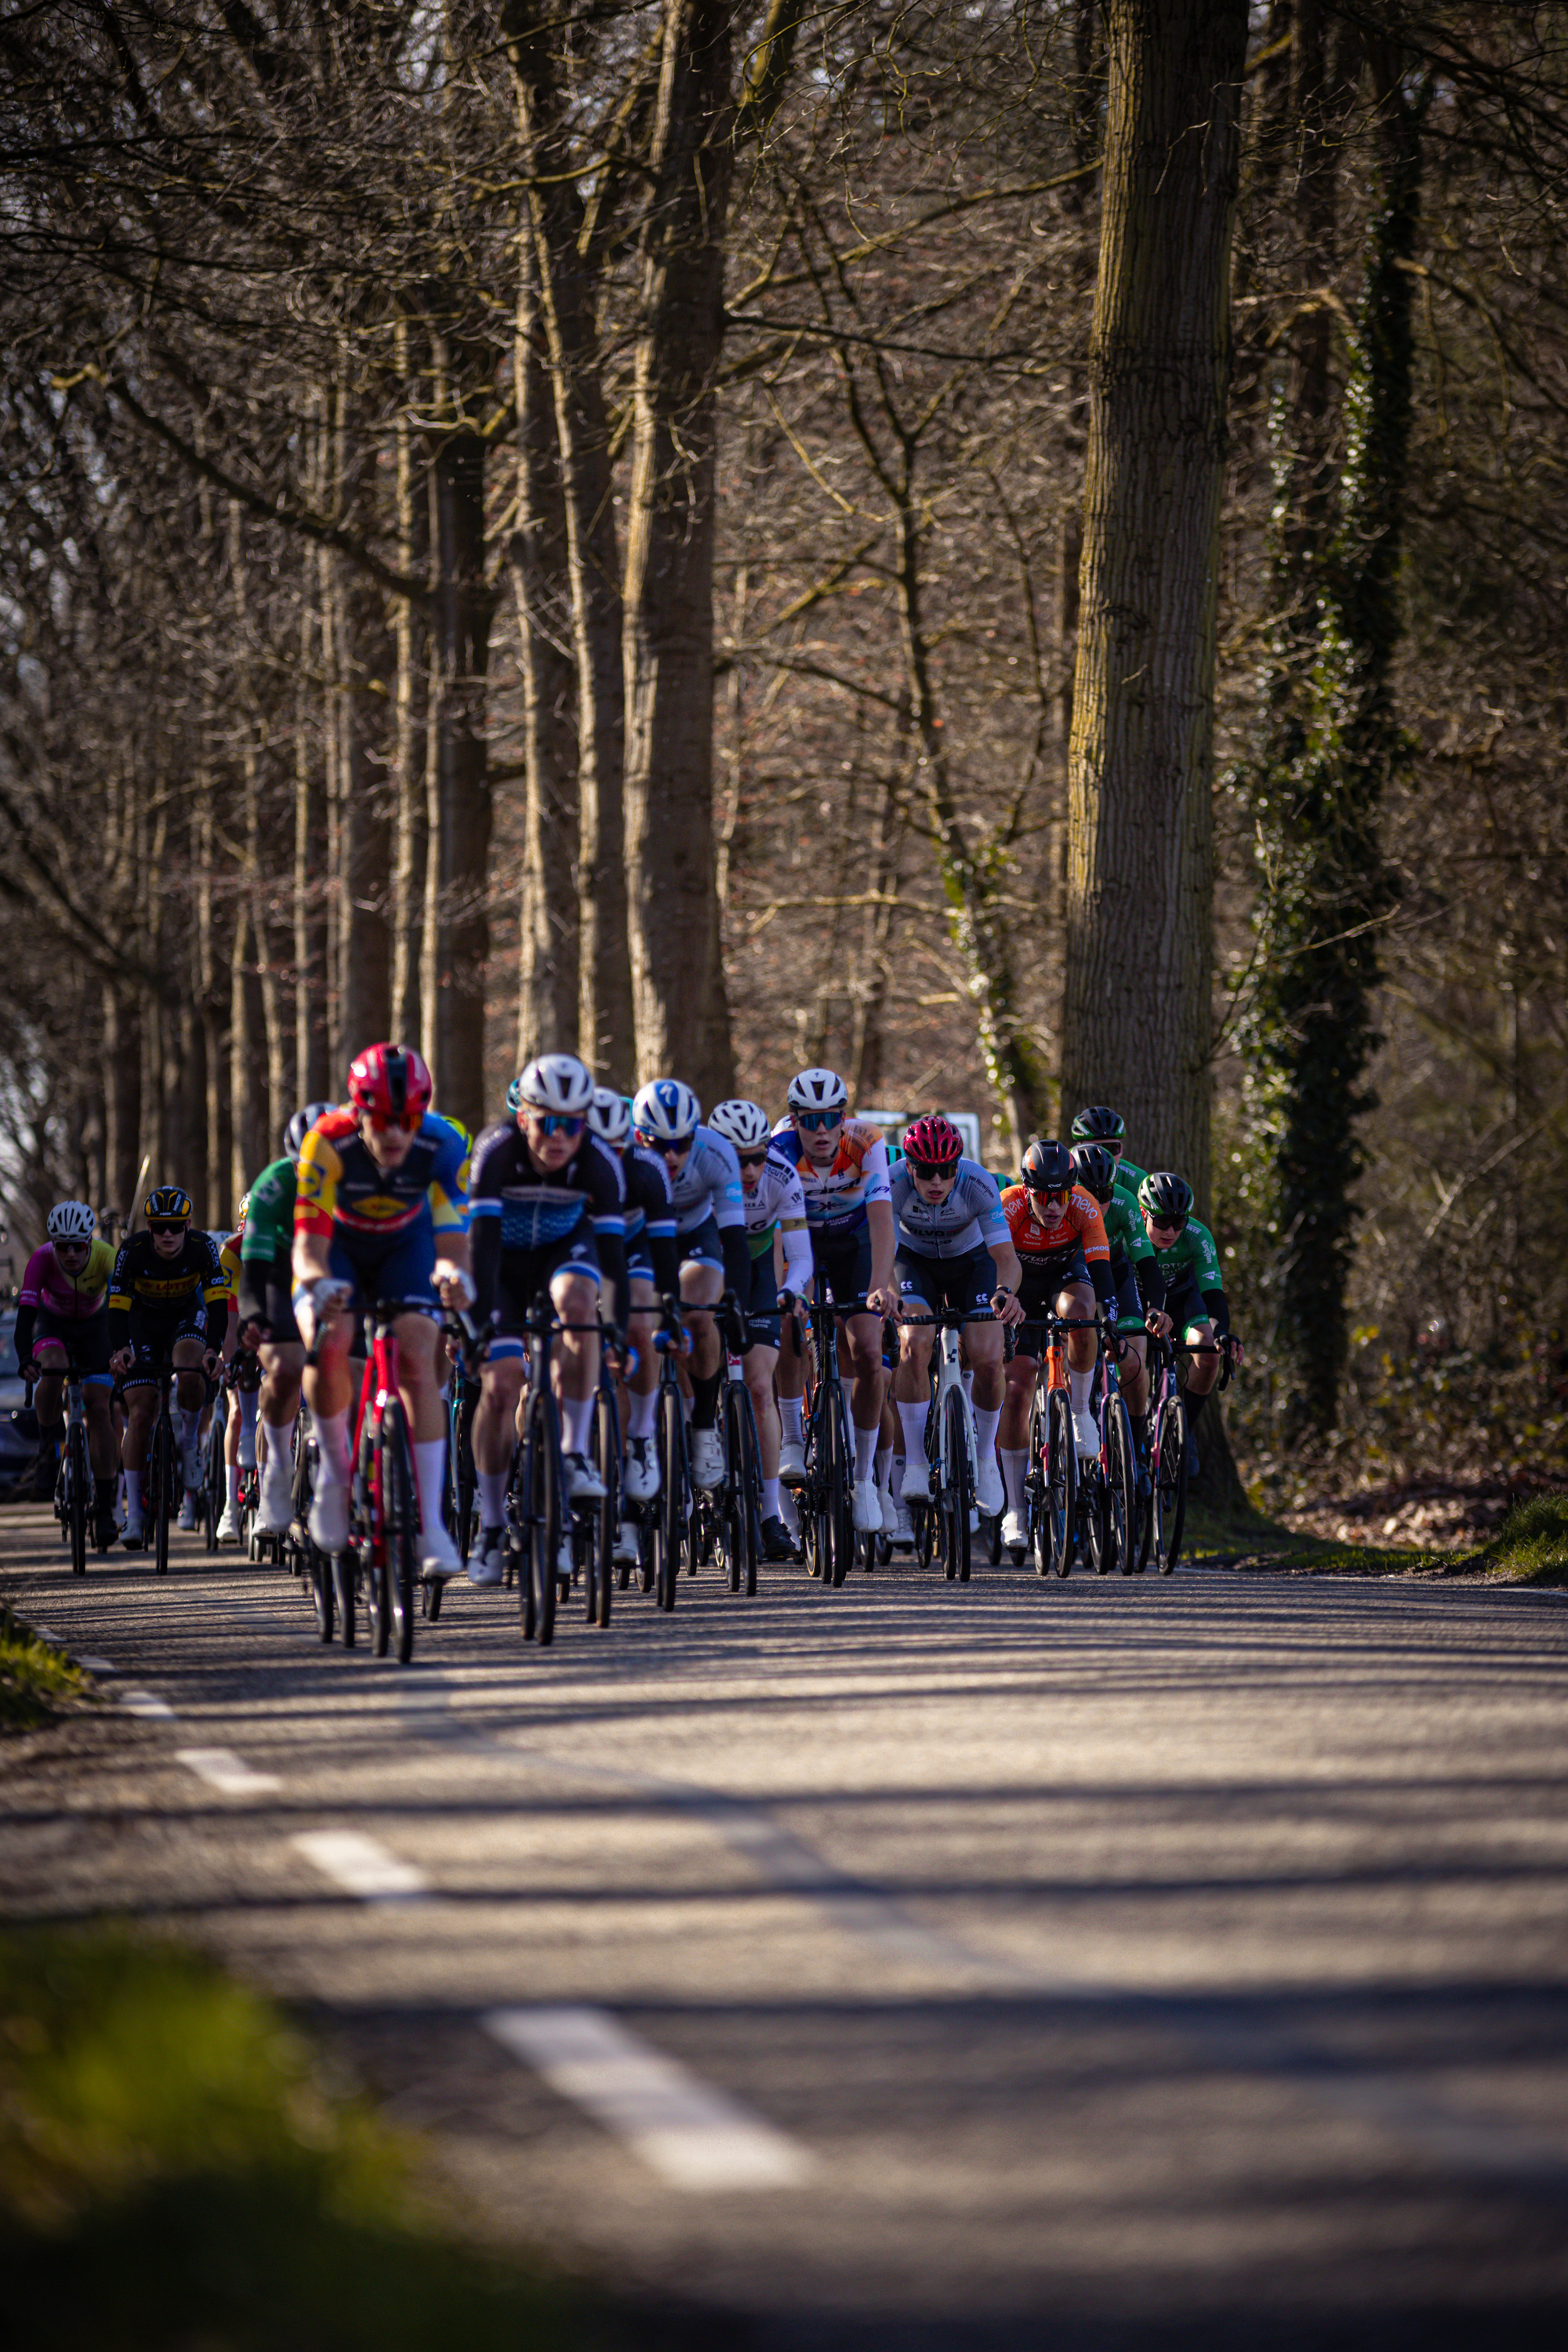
[1189,1266]
[837,1196]
[1128,1177]
[171,1288]
[776,1203]
[708,1184]
[517,1207]
[71,1298]
[1125,1229]
[650,1218]
[969,1219]
[1057,1226]
[228,1258]
[269,1232]
[339,1186]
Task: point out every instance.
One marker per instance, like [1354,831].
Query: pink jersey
[69,1297]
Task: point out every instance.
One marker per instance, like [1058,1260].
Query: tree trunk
[311,1063]
[212,982]
[680,1000]
[548,936]
[411,830]
[123,1096]
[457,926]
[364,947]
[1141,827]
[249,1111]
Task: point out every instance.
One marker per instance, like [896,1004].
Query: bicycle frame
[824,1505]
[956,1482]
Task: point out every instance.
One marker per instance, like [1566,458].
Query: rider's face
[553,1149]
[389,1147]
[168,1240]
[934,1189]
[821,1142]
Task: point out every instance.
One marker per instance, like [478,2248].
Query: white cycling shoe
[626,1544]
[917,1479]
[275,1506]
[706,1459]
[868,1507]
[584,1484]
[187,1518]
[228,1525]
[437,1555]
[989,1491]
[792,1464]
[1085,1432]
[193,1469]
[487,1561]
[133,1533]
[1014,1534]
[902,1536]
[639,1480]
[330,1518]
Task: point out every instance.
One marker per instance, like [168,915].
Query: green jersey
[269,1223]
[1129,1178]
[1124,1228]
[1193,1251]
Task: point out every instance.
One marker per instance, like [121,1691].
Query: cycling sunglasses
[661,1144]
[1167,1224]
[405,1122]
[60,1247]
[557,1122]
[166,1225]
[1060,1193]
[751,1158]
[930,1167]
[816,1119]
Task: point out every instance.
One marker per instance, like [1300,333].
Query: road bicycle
[461,1495]
[825,1497]
[664,1522]
[1165,1512]
[214,1469]
[729,1516]
[73,1478]
[542,1528]
[946,1524]
[1108,1482]
[163,1484]
[1051,1475]
[331,1581]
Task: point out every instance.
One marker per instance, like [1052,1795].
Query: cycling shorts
[947,1285]
[703,1246]
[1044,1279]
[153,1333]
[763,1321]
[1129,1297]
[86,1337]
[395,1274]
[275,1288]
[639,1263]
[842,1263]
[1184,1303]
[524,1274]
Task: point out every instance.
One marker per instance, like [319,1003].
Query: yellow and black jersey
[159,1285]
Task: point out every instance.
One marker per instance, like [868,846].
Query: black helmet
[1095,1169]
[299,1126]
[169,1205]
[1047,1167]
[1167,1199]
[1099,1124]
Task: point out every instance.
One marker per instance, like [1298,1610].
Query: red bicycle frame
[377,1388]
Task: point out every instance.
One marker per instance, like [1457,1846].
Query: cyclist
[842,1163]
[1100,1124]
[775,1209]
[955,1255]
[61,1302]
[244,1375]
[1059,1235]
[711,1233]
[1132,1266]
[548,1207]
[380,1219]
[168,1297]
[267,1317]
[653,1270]
[1191,1286]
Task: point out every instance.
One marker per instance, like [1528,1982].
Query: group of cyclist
[611,1216]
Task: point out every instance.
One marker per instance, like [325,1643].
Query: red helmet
[392,1082]
[933,1142]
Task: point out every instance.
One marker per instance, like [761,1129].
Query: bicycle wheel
[1121,1488]
[1170,1474]
[162,1495]
[1092,1516]
[958,1496]
[373,1553]
[840,1489]
[344,1579]
[604,1452]
[674,1521]
[748,1480]
[399,1524]
[1037,1521]
[321,1592]
[1061,1482]
[78,1493]
[544,1517]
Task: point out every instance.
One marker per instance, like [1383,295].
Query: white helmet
[559,1083]
[70,1220]
[817,1090]
[667,1110]
[610,1117]
[746,1125]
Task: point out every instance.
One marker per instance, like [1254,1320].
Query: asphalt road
[1099,1963]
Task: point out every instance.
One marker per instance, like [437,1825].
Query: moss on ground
[1531,1545]
[36,1679]
[176,2171]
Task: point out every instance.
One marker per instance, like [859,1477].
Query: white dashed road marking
[97,1665]
[222,1769]
[695,2137]
[361,1864]
[148,1702]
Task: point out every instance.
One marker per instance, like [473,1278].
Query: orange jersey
[1073,1223]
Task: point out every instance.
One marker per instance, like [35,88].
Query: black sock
[1194,1407]
[705,1400]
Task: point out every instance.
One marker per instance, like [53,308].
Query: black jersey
[155,1284]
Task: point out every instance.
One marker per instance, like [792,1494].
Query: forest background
[535,526]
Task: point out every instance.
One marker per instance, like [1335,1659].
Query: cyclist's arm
[119,1286]
[484,1257]
[884,1232]
[1004,1258]
[23,1335]
[664,1248]
[1219,1312]
[798,1261]
[612,1246]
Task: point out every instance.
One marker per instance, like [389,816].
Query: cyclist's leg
[640,1478]
[970,1283]
[1077,1298]
[702,1284]
[575,1364]
[917,1279]
[327,1387]
[763,1328]
[789,1390]
[1202,1370]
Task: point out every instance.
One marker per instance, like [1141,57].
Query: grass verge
[35,1678]
[174,2172]
[1246,1539]
[1531,1545]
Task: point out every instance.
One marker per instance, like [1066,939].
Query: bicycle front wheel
[399,1538]
[1170,1474]
[1062,1482]
[79,1491]
[674,1523]
[604,1450]
[161,1500]
[955,1485]
[544,1513]
[1120,1489]
[746,1472]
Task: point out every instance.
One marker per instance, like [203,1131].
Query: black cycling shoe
[777,1543]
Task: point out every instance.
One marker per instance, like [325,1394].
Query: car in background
[18,1451]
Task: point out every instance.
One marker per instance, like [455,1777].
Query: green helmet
[1098,1124]
[1167,1199]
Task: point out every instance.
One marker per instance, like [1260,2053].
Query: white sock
[279,1441]
[688,1407]
[233,1469]
[769,1498]
[247,1405]
[884,1464]
[968,1380]
[639,1412]
[985,1425]
[133,1490]
[896,1477]
[430,1477]
[787,1511]
[913,1417]
[1013,1465]
[493,1485]
[575,1414]
[190,1425]
[1080,1384]
[789,1414]
[332,1439]
[865,1452]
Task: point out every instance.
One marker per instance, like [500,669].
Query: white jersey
[969,1219]
[708,1185]
[778,1200]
